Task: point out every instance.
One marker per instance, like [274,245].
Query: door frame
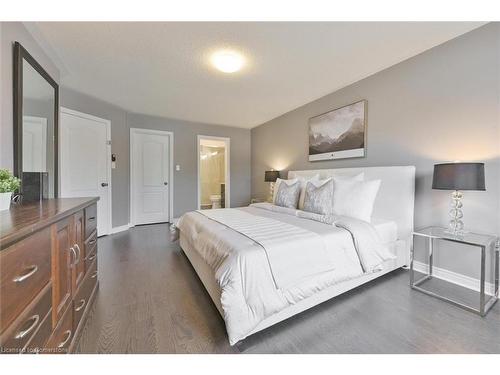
[227,167]
[134,131]
[107,123]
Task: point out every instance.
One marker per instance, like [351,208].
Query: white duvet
[266,257]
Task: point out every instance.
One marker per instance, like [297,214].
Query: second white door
[150,176]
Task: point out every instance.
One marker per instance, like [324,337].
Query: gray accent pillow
[288,195]
[319,199]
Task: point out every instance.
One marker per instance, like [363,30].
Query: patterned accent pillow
[319,197]
[288,195]
[277,184]
[303,184]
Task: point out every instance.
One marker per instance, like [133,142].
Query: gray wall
[439,106]
[185,180]
[10,33]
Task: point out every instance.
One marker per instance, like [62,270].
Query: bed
[254,288]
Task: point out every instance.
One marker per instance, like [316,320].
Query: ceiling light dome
[227,61]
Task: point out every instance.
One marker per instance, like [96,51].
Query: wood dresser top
[23,219]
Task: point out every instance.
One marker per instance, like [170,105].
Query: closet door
[85,158]
[150,171]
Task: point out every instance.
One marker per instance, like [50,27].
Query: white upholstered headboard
[395,199]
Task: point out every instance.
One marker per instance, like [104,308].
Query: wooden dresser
[48,274]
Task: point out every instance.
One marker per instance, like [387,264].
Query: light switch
[177,167]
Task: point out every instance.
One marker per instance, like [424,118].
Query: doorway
[213,172]
[151,176]
[85,161]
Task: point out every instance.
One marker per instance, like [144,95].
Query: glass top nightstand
[482,241]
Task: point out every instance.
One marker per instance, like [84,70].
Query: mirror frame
[20,54]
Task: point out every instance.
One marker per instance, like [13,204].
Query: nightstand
[485,243]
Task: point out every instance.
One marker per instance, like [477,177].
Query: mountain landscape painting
[338,134]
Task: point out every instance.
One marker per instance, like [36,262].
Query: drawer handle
[79,253]
[75,257]
[68,334]
[17,198]
[92,257]
[31,271]
[23,333]
[79,307]
[91,218]
[94,275]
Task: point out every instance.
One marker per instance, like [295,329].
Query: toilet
[215,199]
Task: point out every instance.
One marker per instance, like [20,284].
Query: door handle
[104,184]
[165,183]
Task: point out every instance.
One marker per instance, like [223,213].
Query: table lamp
[271,176]
[458,177]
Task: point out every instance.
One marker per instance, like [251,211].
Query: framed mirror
[36,115]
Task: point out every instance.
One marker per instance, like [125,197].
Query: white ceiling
[162,68]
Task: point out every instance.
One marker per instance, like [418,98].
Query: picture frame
[339,134]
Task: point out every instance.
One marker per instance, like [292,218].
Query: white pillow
[356,177]
[303,183]
[277,185]
[354,198]
[347,179]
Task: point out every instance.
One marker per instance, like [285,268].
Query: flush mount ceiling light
[227,61]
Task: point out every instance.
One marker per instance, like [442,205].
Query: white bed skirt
[207,277]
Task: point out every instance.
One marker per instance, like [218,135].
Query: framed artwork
[338,134]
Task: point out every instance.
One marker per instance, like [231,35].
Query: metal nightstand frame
[484,305]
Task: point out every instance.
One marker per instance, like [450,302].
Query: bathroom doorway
[213,172]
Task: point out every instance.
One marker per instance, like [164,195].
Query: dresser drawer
[63,334]
[25,268]
[90,250]
[83,294]
[90,219]
[29,323]
[37,342]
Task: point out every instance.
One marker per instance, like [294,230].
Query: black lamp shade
[271,176]
[458,176]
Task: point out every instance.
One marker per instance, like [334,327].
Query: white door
[85,154]
[150,176]
[34,144]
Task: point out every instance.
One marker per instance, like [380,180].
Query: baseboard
[455,278]
[121,228]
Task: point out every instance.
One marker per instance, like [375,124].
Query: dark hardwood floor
[151,301]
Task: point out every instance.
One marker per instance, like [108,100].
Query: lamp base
[271,192]
[456,225]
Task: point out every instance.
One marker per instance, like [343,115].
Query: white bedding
[244,270]
[386,229]
[283,243]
